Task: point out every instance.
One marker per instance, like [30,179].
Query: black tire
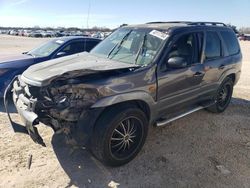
[223,96]
[107,141]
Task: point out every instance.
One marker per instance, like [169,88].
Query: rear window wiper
[118,45]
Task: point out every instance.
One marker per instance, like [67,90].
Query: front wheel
[223,96]
[119,135]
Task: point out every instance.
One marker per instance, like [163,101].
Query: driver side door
[179,85]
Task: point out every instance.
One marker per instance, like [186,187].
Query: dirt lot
[200,150]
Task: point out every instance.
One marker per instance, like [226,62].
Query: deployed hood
[75,65]
[14,58]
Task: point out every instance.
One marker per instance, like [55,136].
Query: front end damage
[62,106]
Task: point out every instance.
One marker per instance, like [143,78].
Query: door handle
[221,66]
[198,74]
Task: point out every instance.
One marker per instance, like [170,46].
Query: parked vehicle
[10,66]
[26,33]
[21,32]
[3,31]
[59,34]
[98,35]
[244,37]
[36,34]
[48,34]
[149,74]
[13,32]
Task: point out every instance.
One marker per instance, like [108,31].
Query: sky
[112,13]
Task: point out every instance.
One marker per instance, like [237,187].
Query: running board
[164,122]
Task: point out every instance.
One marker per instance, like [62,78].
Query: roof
[171,24]
[68,38]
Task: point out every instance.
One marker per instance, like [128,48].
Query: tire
[223,96]
[110,144]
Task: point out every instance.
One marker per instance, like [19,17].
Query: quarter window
[213,46]
[231,42]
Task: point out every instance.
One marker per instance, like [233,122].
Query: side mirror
[177,62]
[61,54]
[24,52]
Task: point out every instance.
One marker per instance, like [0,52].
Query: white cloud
[11,3]
[17,21]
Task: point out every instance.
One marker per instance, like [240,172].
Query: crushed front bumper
[25,105]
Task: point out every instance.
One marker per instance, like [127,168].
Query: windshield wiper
[141,48]
[118,45]
[30,54]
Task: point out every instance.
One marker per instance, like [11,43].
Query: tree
[233,27]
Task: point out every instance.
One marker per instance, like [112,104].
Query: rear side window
[231,42]
[213,46]
[89,45]
[73,47]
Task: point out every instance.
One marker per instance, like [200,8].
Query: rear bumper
[25,106]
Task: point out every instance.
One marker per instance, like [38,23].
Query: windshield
[46,49]
[133,46]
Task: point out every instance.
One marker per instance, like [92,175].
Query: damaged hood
[71,66]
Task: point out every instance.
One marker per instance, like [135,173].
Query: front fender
[126,97]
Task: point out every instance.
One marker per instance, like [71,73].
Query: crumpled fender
[126,97]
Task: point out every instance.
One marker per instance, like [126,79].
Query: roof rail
[208,23]
[159,22]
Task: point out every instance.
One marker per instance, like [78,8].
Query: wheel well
[232,76]
[136,103]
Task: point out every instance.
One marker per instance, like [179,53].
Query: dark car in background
[244,37]
[14,65]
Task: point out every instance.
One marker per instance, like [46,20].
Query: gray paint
[163,91]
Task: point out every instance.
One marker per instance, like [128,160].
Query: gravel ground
[199,150]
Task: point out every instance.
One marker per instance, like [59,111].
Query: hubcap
[224,95]
[126,137]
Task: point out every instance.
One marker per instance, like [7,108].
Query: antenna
[88,14]
[85,41]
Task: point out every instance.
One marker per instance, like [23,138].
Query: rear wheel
[119,135]
[223,96]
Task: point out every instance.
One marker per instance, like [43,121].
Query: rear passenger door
[214,63]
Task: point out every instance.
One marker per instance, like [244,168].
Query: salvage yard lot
[200,150]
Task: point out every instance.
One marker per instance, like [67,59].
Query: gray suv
[141,75]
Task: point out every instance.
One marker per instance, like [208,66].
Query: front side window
[133,46]
[184,48]
[89,45]
[73,47]
[213,46]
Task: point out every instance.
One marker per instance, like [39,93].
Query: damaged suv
[141,75]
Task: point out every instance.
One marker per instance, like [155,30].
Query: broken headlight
[71,100]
